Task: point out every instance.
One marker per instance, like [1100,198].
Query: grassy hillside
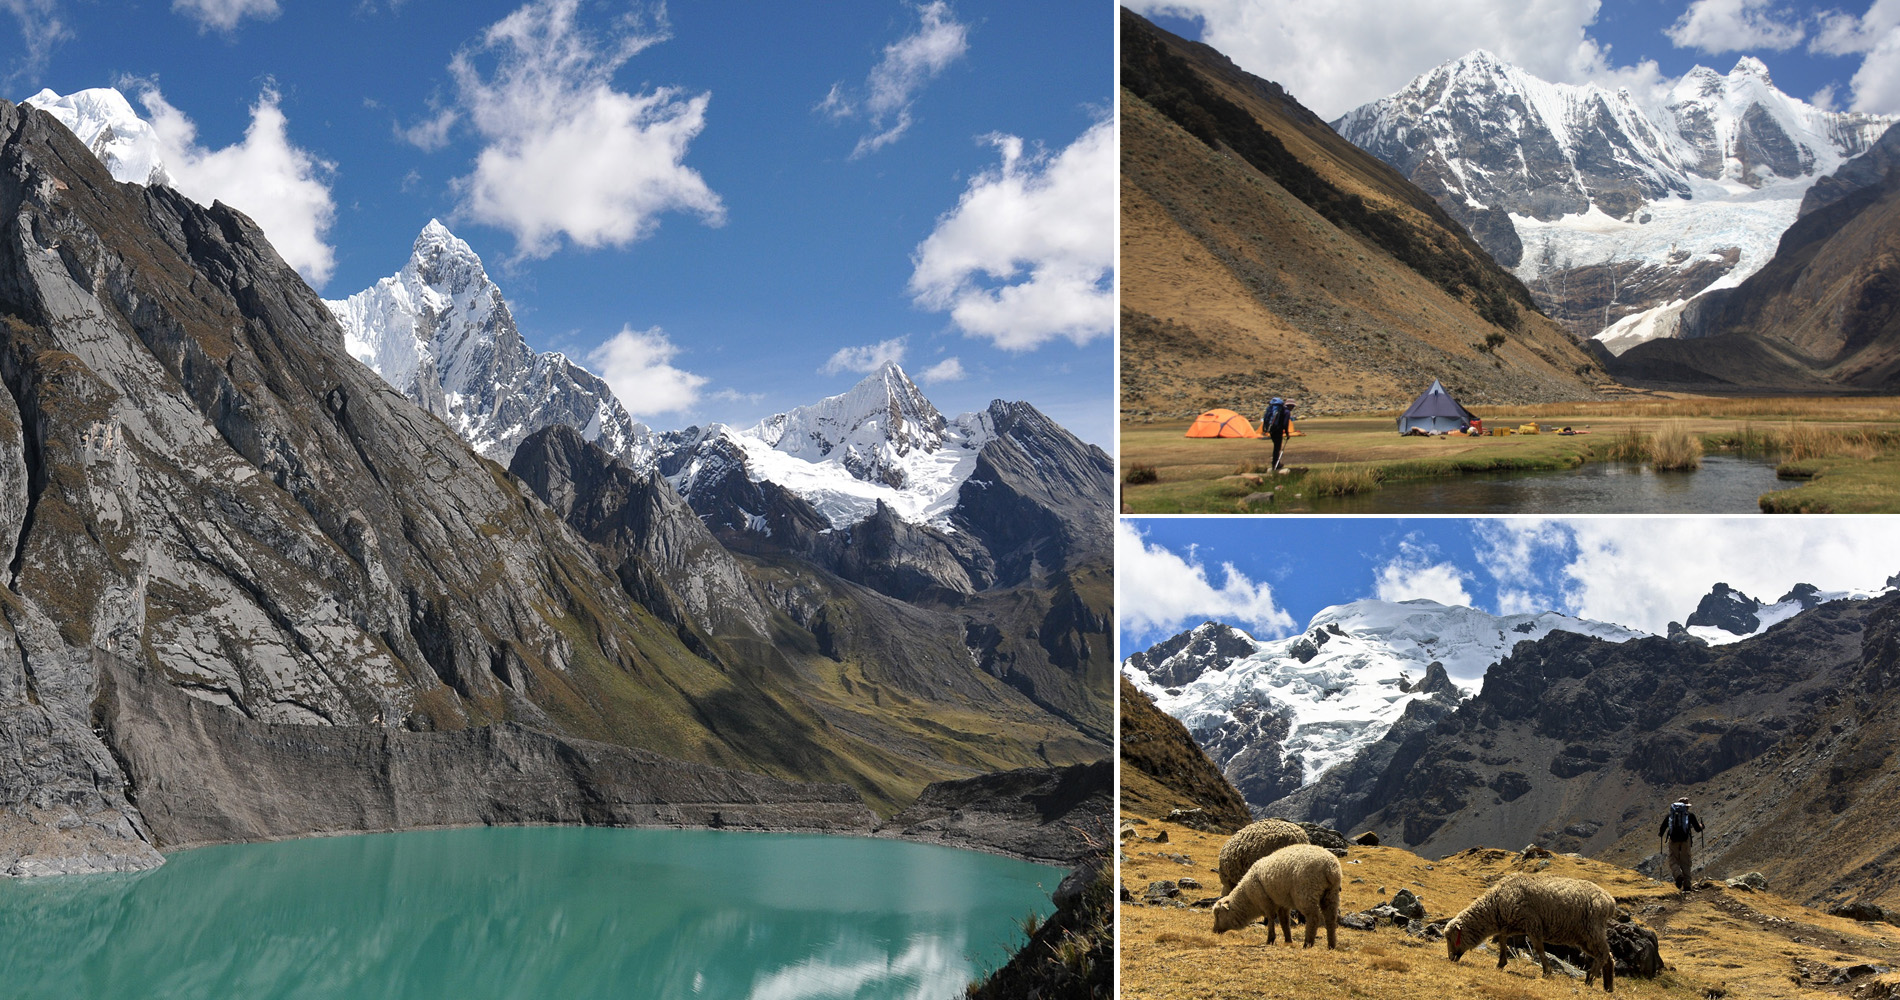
[1264,255]
[1715,942]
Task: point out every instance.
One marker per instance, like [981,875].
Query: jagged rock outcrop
[665,557]
[1728,609]
[1179,659]
[1053,814]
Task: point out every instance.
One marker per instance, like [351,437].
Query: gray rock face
[207,775]
[1054,814]
[194,476]
[666,559]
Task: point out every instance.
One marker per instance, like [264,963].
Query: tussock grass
[1675,448]
[1391,964]
[1140,473]
[1629,445]
[1341,480]
[1804,442]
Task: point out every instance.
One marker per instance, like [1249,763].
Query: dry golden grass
[1802,442]
[1880,409]
[1674,447]
[1743,944]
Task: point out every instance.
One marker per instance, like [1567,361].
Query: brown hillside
[1715,942]
[1163,769]
[1264,255]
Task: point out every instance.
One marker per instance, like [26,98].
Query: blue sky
[1271,575]
[1334,55]
[762,255]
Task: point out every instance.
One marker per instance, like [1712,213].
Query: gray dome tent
[1434,411]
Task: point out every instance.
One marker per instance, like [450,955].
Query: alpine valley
[280,566]
[1444,728]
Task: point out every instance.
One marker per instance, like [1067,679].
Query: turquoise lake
[527,912]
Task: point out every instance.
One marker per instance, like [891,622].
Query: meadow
[1846,452]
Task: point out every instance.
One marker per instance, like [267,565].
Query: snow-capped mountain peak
[879,442]
[1613,207]
[104,121]
[439,331]
[869,430]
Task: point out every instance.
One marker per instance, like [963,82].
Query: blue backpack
[1678,821]
[1276,416]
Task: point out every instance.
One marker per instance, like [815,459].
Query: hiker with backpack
[1677,827]
[1276,422]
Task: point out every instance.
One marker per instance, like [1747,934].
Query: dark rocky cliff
[197,481]
[1576,743]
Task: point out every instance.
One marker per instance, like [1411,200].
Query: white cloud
[636,365]
[1715,26]
[1823,98]
[1647,572]
[283,188]
[867,358]
[224,15]
[1415,572]
[1028,254]
[1161,592]
[431,133]
[41,29]
[1338,55]
[1876,37]
[947,370]
[564,153]
[893,84]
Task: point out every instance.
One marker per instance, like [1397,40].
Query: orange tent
[1221,424]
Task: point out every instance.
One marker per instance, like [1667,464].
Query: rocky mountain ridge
[1613,207]
[231,540]
[1276,715]
[1576,744]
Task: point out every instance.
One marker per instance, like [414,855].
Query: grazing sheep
[1300,877]
[1545,908]
[1253,842]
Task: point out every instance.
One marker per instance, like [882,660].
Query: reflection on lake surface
[1725,484]
[526,912]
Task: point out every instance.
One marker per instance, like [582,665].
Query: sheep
[1545,908]
[1253,842]
[1302,877]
